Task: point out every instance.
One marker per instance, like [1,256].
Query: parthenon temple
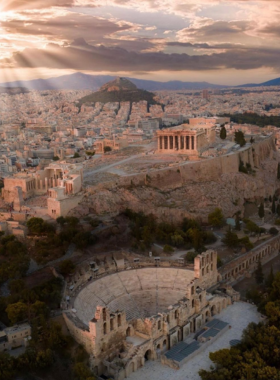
[185,139]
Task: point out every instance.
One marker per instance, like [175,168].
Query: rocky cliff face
[196,198]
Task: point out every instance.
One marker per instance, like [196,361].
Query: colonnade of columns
[177,142]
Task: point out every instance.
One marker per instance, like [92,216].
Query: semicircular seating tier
[140,293]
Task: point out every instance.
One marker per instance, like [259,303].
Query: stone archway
[148,355]
[130,369]
[213,310]
[128,331]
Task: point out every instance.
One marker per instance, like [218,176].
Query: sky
[220,41]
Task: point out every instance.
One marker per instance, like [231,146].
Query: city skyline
[223,42]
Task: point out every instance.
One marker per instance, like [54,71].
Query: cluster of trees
[247,169]
[147,230]
[14,258]
[255,119]
[28,304]
[56,243]
[48,346]
[257,357]
[231,240]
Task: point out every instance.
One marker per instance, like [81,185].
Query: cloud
[12,5]
[82,56]
[271,29]
[222,31]
[67,27]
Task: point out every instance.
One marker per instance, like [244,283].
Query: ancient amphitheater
[140,293]
[142,313]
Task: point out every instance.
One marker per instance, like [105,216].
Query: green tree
[261,210]
[168,249]
[83,239]
[72,221]
[61,220]
[7,366]
[231,239]
[17,312]
[190,256]
[66,267]
[259,272]
[239,138]
[273,231]
[273,207]
[82,372]
[76,155]
[270,278]
[39,308]
[39,226]
[278,171]
[245,241]
[55,158]
[216,218]
[237,222]
[107,149]
[252,227]
[223,133]
[90,153]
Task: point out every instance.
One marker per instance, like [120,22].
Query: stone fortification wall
[210,169]
[238,268]
[192,189]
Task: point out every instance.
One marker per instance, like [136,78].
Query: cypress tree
[261,210]
[273,208]
[223,133]
[270,278]
[237,222]
[259,272]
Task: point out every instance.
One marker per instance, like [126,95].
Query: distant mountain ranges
[80,81]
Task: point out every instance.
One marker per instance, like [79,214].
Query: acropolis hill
[169,186]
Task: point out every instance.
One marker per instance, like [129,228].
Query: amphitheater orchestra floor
[238,315]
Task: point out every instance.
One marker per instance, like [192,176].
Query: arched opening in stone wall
[164,344]
[207,316]
[131,367]
[148,355]
[119,320]
[194,325]
[178,335]
[158,347]
[128,331]
[213,310]
[105,328]
[95,370]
